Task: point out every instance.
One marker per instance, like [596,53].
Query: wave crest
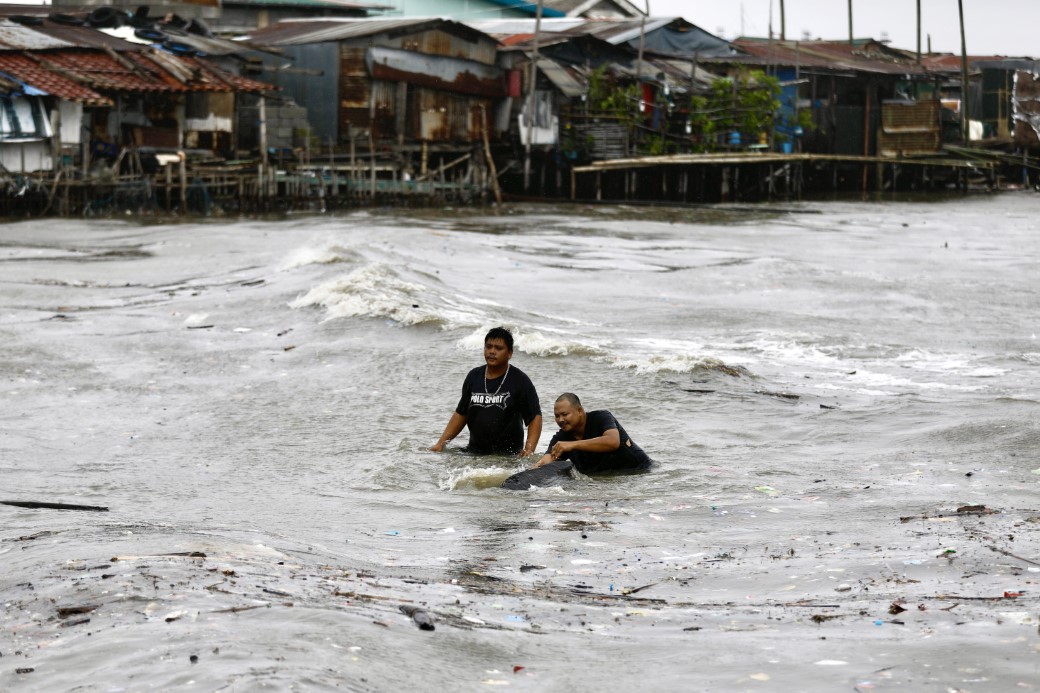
[372,291]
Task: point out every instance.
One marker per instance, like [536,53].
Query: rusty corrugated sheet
[354,89]
[445,117]
[863,56]
[910,128]
[435,72]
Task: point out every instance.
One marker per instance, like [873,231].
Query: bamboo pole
[490,159]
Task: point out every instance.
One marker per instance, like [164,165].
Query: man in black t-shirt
[497,401]
[594,441]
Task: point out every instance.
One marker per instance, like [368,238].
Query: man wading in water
[497,400]
[594,441]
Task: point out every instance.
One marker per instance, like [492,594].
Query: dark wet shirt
[627,457]
[497,412]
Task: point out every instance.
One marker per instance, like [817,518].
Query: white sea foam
[475,477]
[326,254]
[658,363]
[542,342]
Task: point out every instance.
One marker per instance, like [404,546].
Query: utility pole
[850,22]
[964,75]
[783,23]
[918,32]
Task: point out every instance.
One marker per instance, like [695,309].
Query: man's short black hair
[571,398]
[500,333]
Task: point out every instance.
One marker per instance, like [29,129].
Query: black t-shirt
[628,456]
[497,411]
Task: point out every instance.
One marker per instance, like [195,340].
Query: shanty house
[575,57]
[863,97]
[70,88]
[429,80]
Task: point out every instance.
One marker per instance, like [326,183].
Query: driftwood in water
[54,506]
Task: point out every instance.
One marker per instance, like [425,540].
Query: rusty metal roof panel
[862,55]
[209,77]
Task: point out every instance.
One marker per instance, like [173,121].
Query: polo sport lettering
[481,399]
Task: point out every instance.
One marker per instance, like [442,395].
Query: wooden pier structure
[749,176]
[469,175]
[297,182]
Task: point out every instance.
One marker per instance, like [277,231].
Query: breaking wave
[328,254]
[377,291]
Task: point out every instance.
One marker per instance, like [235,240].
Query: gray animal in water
[552,474]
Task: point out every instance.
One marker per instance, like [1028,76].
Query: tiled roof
[25,70]
[89,76]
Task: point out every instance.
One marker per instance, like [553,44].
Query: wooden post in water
[332,169]
[372,161]
[866,135]
[261,182]
[183,173]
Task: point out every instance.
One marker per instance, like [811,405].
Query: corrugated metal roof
[569,6]
[298,32]
[569,81]
[864,55]
[181,42]
[613,30]
[952,63]
[24,38]
[317,4]
[77,36]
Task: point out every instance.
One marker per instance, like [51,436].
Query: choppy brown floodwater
[842,397]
